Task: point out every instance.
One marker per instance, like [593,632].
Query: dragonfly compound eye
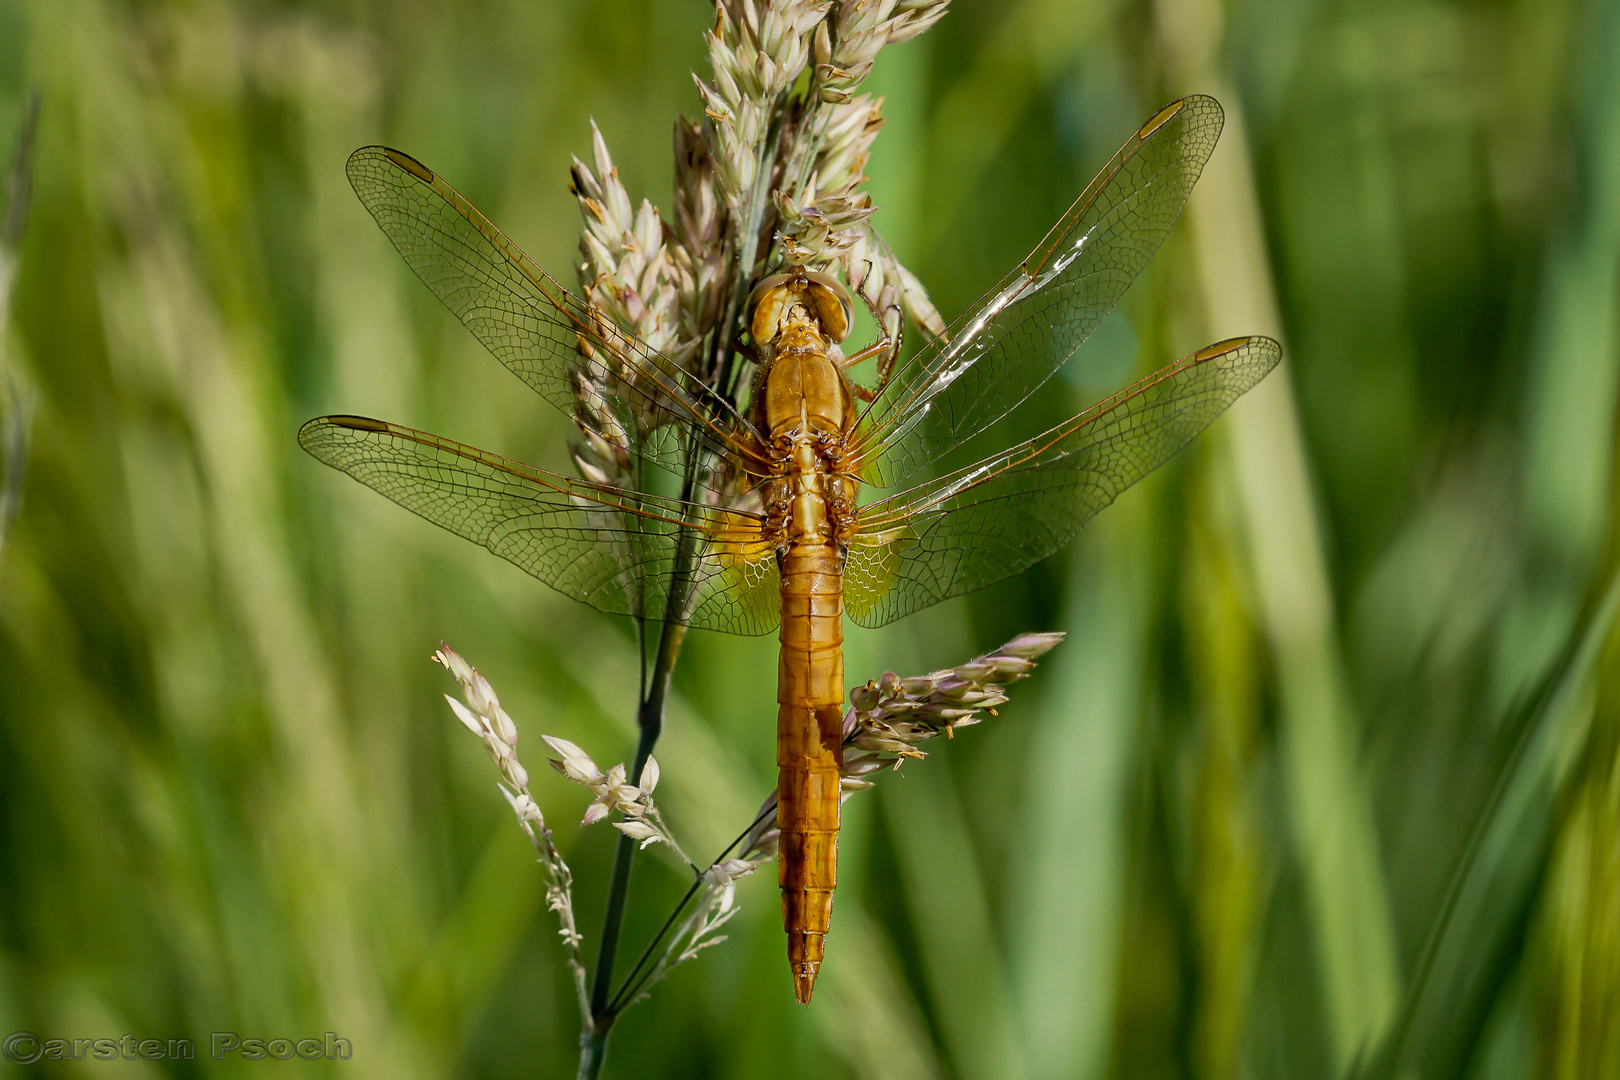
[830,301]
[765,307]
[822,294]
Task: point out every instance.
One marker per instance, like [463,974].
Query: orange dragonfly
[770,529]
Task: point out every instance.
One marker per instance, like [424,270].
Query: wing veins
[933,396]
[605,496]
[544,300]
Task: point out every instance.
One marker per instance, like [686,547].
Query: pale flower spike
[483,716]
[763,172]
[613,792]
[889,717]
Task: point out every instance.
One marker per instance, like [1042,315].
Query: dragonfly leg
[886,364]
[886,348]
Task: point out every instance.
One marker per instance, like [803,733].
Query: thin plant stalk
[650,717]
[631,986]
[650,720]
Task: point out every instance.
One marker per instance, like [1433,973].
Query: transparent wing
[993,358]
[991,520]
[531,323]
[615,550]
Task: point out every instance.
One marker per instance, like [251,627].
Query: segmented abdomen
[809,733]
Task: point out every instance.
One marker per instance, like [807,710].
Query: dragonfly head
[821,295]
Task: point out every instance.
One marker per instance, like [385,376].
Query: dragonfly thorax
[804,394]
[806,408]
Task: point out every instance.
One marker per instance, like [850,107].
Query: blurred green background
[1326,780]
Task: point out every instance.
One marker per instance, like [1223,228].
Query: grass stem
[650,717]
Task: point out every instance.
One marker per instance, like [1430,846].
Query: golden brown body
[806,404]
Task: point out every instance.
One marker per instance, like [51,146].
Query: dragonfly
[816,498]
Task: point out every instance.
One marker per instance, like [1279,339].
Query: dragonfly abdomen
[806,403]
[809,734]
